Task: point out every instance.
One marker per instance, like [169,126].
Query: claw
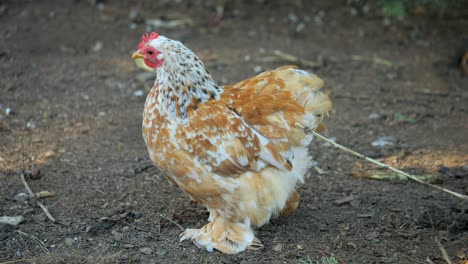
[189,234]
[256,245]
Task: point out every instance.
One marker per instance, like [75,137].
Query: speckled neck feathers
[182,80]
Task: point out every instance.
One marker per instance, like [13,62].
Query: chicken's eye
[150,52]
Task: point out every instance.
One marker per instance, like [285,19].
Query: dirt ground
[70,121]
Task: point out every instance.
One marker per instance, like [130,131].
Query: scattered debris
[286,57]
[258,69]
[384,141]
[5,230]
[101,227]
[374,59]
[9,111]
[344,200]
[135,16]
[69,241]
[35,240]
[218,18]
[398,177]
[157,24]
[385,166]
[42,206]
[11,220]
[139,93]
[399,117]
[318,170]
[35,174]
[97,46]
[278,248]
[45,194]
[172,221]
[31,124]
[21,197]
[375,116]
[117,235]
[457,172]
[444,252]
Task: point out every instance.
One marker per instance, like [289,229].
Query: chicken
[240,149]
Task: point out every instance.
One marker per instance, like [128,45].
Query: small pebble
[293,18]
[97,46]
[21,197]
[375,116]
[278,248]
[139,93]
[258,69]
[31,124]
[69,241]
[300,27]
[9,111]
[11,220]
[128,246]
[384,141]
[117,236]
[146,250]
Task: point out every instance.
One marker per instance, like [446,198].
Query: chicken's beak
[140,62]
[137,55]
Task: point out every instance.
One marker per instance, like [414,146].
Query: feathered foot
[223,235]
[291,204]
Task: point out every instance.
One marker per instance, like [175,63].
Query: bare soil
[75,130]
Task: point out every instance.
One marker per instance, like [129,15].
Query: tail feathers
[305,89]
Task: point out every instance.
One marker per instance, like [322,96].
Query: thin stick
[381,164]
[35,239]
[23,260]
[172,221]
[26,185]
[444,252]
[41,205]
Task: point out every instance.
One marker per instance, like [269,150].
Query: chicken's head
[148,57]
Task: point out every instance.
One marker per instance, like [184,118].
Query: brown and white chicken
[239,149]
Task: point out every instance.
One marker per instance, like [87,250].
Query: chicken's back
[274,102]
[277,104]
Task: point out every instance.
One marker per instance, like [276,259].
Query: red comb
[147,38]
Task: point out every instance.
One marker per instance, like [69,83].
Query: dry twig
[172,221]
[35,240]
[381,164]
[41,205]
[444,252]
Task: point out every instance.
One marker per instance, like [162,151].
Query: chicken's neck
[183,82]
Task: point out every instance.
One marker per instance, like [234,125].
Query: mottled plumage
[237,148]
